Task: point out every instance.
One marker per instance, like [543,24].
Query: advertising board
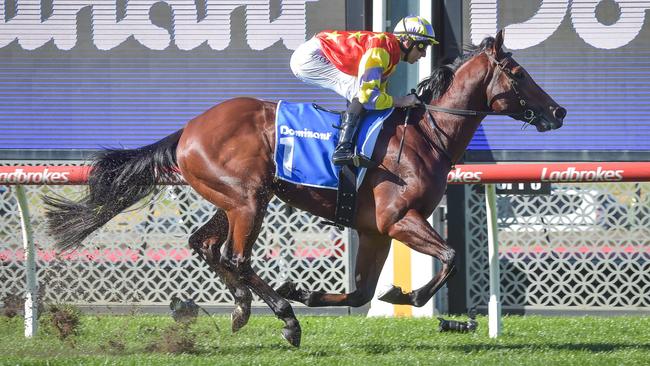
[592,57]
[104,73]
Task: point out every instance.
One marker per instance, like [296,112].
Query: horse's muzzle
[551,121]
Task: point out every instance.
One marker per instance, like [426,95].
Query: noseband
[529,115]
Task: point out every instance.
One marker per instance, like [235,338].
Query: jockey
[356,65]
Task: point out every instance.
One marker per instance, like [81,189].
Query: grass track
[531,340]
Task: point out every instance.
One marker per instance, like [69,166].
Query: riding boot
[344,151]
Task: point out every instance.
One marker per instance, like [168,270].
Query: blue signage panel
[592,57]
[86,77]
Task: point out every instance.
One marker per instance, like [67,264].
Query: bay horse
[226,155]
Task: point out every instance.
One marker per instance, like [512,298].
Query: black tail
[119,179]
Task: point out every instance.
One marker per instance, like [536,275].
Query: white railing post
[378,15]
[31,289]
[494,306]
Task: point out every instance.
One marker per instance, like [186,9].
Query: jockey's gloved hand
[420,95]
[406,101]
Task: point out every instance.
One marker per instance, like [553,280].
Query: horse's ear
[498,43]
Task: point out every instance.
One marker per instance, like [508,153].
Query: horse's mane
[436,85]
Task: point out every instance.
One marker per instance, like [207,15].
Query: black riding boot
[344,151]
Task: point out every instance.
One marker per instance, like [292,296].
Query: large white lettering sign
[189,32]
[547,19]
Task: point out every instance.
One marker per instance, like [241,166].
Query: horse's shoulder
[414,135]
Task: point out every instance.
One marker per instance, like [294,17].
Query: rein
[468,112]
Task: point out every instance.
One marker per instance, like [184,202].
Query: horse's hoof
[394,295]
[292,334]
[239,317]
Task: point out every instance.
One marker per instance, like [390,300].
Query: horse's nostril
[559,113]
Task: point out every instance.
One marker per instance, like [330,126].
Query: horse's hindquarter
[227,151]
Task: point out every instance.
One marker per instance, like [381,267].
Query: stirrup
[363,162]
[342,161]
[343,154]
[356,160]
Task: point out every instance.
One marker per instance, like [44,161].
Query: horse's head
[513,91]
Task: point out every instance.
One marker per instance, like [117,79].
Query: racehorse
[226,155]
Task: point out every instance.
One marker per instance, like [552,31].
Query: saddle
[306,135]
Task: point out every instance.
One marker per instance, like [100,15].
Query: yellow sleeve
[372,91]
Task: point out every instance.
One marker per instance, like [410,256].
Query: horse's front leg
[414,231]
[373,250]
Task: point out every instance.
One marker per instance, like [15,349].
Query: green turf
[531,340]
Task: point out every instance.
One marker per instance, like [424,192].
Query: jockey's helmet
[417,30]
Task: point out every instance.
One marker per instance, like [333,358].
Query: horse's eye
[518,75]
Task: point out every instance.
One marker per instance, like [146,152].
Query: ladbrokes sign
[584,172]
[572,174]
[44,176]
[461,174]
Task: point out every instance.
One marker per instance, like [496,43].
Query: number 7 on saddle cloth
[305,140]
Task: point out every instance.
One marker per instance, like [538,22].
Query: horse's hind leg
[414,231]
[246,221]
[373,250]
[207,242]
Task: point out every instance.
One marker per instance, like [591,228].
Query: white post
[378,15]
[424,64]
[494,306]
[31,289]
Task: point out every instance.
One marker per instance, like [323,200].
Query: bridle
[529,115]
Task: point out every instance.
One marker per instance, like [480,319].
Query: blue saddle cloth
[305,141]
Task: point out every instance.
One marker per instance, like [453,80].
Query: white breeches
[310,65]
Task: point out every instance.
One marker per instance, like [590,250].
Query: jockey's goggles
[421,45]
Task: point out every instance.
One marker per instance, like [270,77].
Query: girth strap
[346,197]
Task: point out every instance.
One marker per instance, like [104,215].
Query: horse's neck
[462,94]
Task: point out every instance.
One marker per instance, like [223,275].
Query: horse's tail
[118,179]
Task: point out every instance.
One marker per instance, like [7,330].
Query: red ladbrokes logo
[19,176]
[459,176]
[571,174]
